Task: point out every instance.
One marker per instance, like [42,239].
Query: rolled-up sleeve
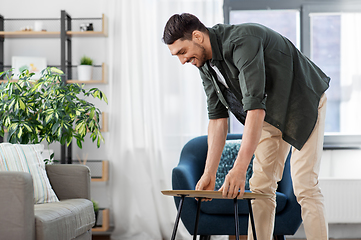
[249,59]
[215,107]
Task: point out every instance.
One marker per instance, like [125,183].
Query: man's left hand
[234,184]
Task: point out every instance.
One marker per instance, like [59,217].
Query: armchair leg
[205,237]
[279,237]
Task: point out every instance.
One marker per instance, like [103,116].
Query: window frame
[306,7]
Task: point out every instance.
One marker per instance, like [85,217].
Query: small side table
[214,195]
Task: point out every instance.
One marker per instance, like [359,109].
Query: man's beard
[203,57]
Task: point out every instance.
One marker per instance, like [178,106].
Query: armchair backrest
[193,158]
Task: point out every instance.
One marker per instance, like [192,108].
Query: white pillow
[27,158]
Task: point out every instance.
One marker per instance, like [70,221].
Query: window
[329,34]
[335,48]
[285,22]
[325,52]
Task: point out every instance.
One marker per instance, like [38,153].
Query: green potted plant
[85,69]
[96,211]
[48,109]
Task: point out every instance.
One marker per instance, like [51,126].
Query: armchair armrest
[17,206]
[69,181]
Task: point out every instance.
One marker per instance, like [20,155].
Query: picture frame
[33,64]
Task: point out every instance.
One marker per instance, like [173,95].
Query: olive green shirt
[264,70]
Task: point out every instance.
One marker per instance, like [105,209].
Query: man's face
[189,51]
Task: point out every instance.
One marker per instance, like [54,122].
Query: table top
[211,194]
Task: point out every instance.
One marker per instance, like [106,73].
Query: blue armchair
[217,216]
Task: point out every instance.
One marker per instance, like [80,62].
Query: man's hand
[207,182]
[234,184]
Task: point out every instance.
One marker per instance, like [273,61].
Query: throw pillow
[27,158]
[228,157]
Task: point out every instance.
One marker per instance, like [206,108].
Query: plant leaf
[78,142]
[20,132]
[27,126]
[48,118]
[55,127]
[22,104]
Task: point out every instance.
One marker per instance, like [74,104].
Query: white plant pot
[85,72]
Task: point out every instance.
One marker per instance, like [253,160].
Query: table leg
[236,220]
[175,228]
[197,218]
[252,220]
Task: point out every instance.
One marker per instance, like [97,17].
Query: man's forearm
[234,182]
[217,134]
[251,136]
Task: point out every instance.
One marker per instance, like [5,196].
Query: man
[277,93]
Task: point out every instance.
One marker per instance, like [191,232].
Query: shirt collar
[216,53]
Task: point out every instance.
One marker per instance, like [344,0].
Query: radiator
[342,200]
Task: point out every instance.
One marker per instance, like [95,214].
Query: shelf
[99,169]
[102,33]
[104,123]
[30,34]
[4,81]
[105,173]
[64,28]
[105,222]
[56,34]
[100,235]
[102,81]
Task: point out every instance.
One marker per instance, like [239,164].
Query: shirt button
[226,107]
[218,92]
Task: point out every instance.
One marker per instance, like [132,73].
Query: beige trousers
[268,167]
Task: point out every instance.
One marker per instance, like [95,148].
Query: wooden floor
[230,238]
[245,238]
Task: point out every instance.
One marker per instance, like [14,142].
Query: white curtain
[156,106]
[350,117]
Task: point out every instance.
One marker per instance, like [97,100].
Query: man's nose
[183,59]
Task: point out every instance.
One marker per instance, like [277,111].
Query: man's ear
[197,36]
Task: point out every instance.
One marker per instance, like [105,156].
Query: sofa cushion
[63,220]
[225,206]
[27,158]
[229,155]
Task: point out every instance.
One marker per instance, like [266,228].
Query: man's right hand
[207,182]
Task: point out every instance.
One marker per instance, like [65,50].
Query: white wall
[342,164]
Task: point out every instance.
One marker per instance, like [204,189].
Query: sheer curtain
[156,106]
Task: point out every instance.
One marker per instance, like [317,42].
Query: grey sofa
[71,218]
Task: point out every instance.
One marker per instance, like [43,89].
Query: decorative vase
[85,72]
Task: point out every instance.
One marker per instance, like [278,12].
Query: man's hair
[181,27]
